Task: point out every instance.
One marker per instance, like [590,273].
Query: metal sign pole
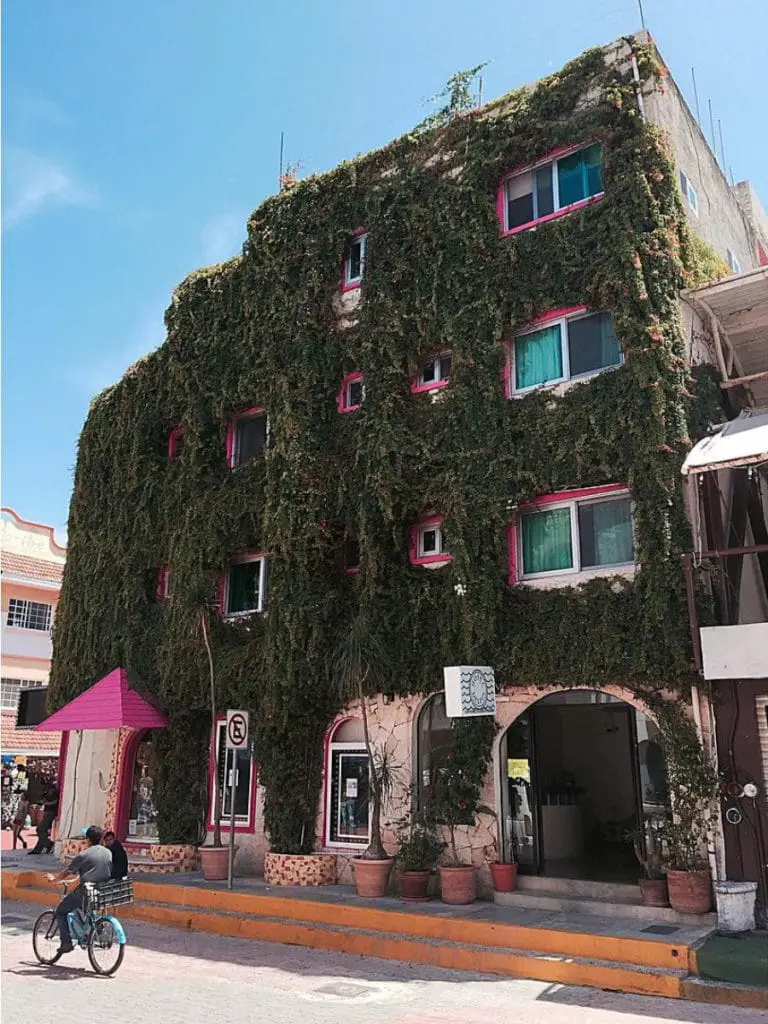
[232,821]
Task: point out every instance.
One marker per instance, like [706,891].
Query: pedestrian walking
[20,820]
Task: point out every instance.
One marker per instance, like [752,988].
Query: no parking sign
[237,730]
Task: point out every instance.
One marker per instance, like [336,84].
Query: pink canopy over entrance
[108,704]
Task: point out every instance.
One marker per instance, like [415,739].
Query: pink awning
[108,704]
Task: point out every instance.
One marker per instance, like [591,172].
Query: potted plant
[458,785]
[653,882]
[503,873]
[214,859]
[360,660]
[688,876]
[418,850]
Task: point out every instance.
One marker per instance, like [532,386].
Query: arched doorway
[582,777]
[347,793]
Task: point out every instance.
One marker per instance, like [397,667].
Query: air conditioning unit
[470,690]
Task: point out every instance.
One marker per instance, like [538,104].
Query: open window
[354,261]
[563,345]
[245,583]
[247,437]
[434,372]
[176,443]
[551,188]
[352,393]
[427,543]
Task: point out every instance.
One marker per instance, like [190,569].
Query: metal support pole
[231,858]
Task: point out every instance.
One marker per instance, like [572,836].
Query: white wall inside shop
[83,801]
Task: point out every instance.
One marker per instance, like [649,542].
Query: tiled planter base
[300,869]
[186,857]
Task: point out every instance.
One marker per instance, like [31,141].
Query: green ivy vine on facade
[264,329]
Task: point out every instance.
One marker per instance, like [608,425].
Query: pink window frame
[222,585]
[250,825]
[173,438]
[555,154]
[353,285]
[413,542]
[540,321]
[246,414]
[328,741]
[433,385]
[515,574]
[341,400]
[163,585]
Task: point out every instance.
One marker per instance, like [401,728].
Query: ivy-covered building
[439,404]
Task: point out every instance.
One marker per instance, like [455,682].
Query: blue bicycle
[91,928]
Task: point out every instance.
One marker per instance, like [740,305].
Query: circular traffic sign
[237,730]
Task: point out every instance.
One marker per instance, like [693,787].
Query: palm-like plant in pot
[359,665]
[648,847]
[418,849]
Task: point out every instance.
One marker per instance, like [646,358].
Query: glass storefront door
[142,823]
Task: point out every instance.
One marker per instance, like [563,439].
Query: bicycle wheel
[46,939]
[104,950]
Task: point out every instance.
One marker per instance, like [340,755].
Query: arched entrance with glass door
[583,776]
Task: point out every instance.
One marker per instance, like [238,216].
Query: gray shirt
[93,864]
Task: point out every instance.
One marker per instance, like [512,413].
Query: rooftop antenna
[480,93]
[280,178]
[642,13]
[712,128]
[696,96]
[722,145]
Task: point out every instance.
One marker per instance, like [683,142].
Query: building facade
[439,405]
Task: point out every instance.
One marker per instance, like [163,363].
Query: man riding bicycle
[92,865]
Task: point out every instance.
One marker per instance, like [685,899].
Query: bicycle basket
[116,893]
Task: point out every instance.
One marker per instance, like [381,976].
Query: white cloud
[222,237]
[34,184]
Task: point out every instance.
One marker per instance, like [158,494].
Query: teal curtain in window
[605,532]
[580,175]
[547,541]
[538,357]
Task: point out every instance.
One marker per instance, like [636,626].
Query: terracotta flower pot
[690,892]
[414,885]
[214,861]
[458,885]
[653,892]
[504,877]
[371,876]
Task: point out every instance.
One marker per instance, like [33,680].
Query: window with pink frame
[427,542]
[435,372]
[352,393]
[571,532]
[562,182]
[163,585]
[176,443]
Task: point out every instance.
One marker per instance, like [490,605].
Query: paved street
[174,977]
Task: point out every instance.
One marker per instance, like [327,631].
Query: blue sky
[138,137]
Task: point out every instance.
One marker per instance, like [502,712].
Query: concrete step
[611,892]
[140,865]
[631,907]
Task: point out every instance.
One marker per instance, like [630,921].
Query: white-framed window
[11,688]
[562,349]
[29,614]
[250,434]
[553,185]
[348,809]
[689,192]
[733,263]
[354,260]
[572,536]
[245,586]
[437,370]
[238,779]
[429,539]
[355,395]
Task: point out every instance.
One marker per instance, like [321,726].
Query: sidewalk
[614,953]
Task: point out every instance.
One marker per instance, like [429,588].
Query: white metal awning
[740,442]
